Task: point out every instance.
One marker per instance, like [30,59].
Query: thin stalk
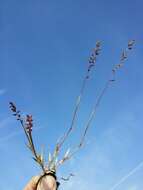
[92,115]
[123,58]
[34,152]
[91,63]
[78,102]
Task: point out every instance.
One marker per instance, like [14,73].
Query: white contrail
[123,179]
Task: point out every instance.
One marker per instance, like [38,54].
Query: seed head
[29,123]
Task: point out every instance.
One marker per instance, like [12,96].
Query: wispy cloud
[14,134]
[5,122]
[2,92]
[133,188]
[10,136]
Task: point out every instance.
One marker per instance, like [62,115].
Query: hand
[47,183]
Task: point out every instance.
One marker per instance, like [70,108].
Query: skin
[47,183]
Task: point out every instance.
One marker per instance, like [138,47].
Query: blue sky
[44,47]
